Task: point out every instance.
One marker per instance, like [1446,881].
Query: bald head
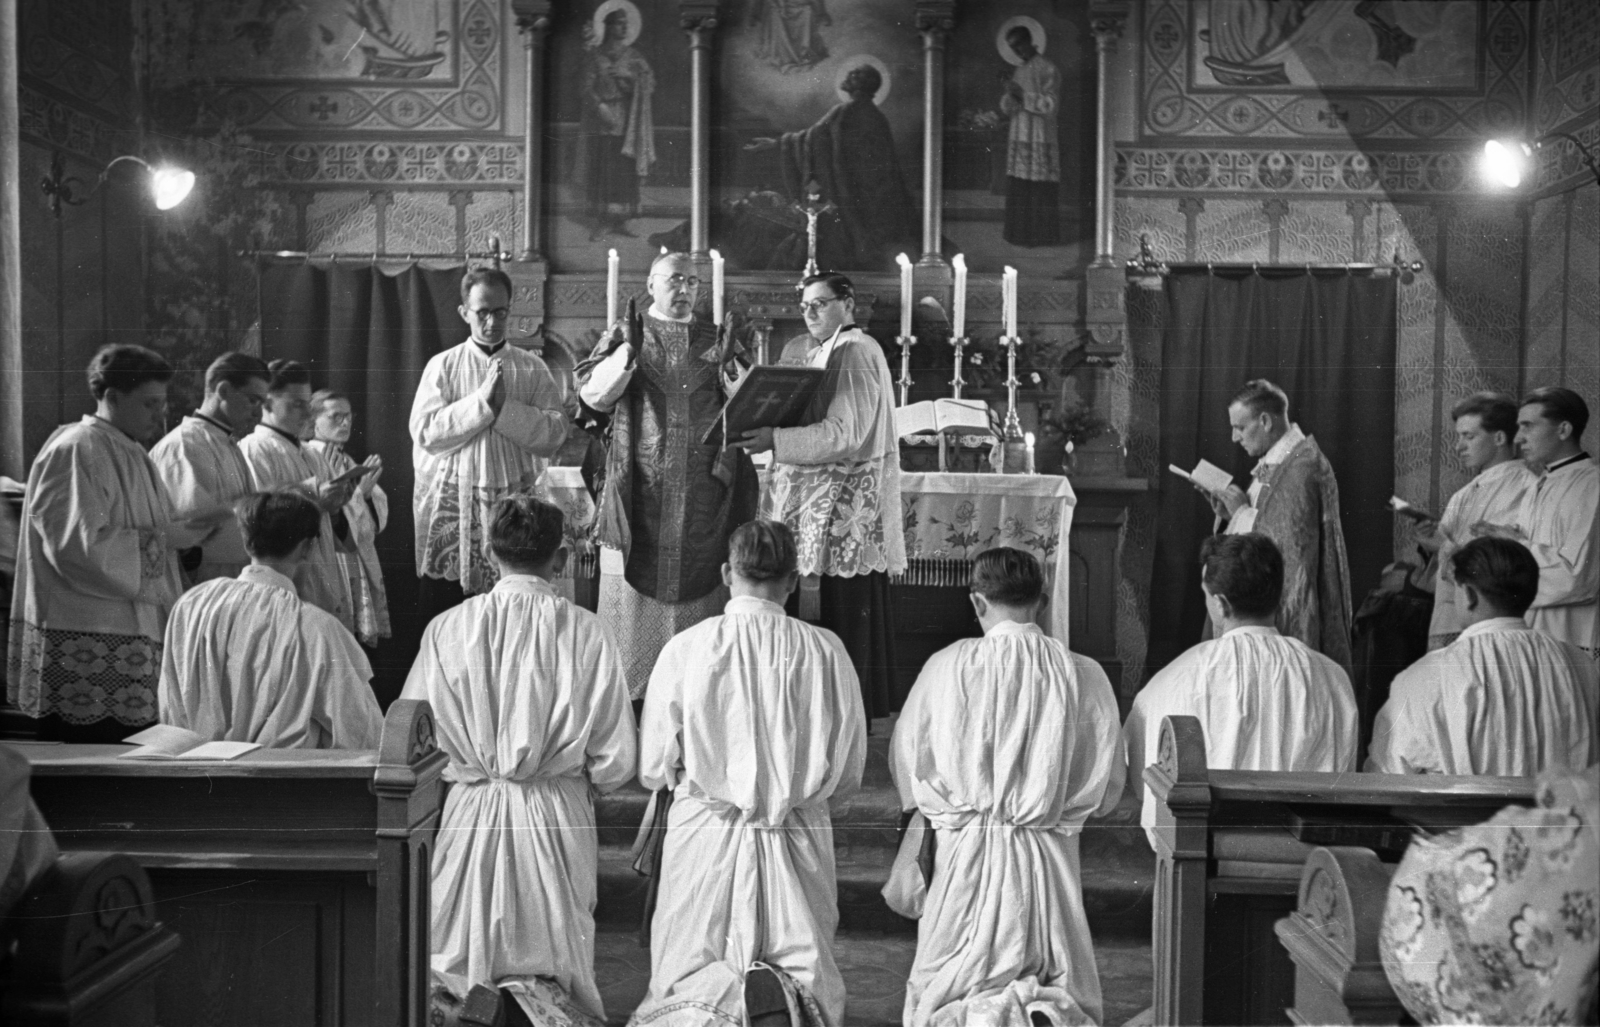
[673,286]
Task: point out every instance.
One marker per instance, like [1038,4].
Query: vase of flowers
[1063,432]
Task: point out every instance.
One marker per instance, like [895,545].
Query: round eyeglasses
[679,281]
[816,305]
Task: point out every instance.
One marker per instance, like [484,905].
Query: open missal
[166,742]
[771,396]
[1206,474]
[937,415]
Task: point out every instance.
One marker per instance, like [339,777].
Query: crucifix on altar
[813,208]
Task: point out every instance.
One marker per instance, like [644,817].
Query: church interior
[1216,191]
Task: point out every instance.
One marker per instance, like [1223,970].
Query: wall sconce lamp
[1507,162]
[168,185]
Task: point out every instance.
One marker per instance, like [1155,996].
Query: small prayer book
[166,742]
[1409,510]
[1206,474]
[937,415]
[771,396]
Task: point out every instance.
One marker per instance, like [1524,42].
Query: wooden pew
[299,879]
[1230,850]
[88,947]
[1332,937]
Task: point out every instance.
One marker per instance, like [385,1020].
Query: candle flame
[612,255]
[959,261]
[903,260]
[714,254]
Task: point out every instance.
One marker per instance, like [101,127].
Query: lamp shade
[170,186]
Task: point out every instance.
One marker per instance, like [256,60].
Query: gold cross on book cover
[772,396]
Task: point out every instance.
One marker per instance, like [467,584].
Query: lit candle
[960,264]
[1011,300]
[1029,439]
[717,282]
[905,295]
[613,271]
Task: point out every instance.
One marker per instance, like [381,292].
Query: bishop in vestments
[486,417]
[247,661]
[530,704]
[753,719]
[1007,744]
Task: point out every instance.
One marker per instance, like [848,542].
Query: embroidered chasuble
[1494,495]
[97,575]
[367,513]
[203,469]
[278,461]
[467,458]
[1558,514]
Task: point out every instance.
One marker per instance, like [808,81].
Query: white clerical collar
[256,574]
[1012,627]
[1251,629]
[293,440]
[754,604]
[1577,458]
[1283,447]
[671,320]
[525,583]
[224,429]
[819,357]
[1493,624]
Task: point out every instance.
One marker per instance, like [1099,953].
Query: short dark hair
[236,369]
[871,78]
[1502,571]
[322,397]
[1495,411]
[1558,404]
[125,367]
[1262,397]
[1019,30]
[525,531]
[484,276]
[840,284]
[275,522]
[1007,576]
[286,373]
[1246,570]
[762,550]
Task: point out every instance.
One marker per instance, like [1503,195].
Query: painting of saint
[790,32]
[1033,155]
[618,127]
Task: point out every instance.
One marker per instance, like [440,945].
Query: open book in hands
[166,742]
[1206,476]
[937,415]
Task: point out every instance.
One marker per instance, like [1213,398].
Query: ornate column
[935,19]
[1106,18]
[11,456]
[699,20]
[533,21]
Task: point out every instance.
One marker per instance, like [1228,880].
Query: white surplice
[367,514]
[278,461]
[1495,496]
[1007,744]
[97,574]
[1265,701]
[1501,699]
[203,470]
[247,661]
[530,704]
[754,719]
[467,457]
[1558,514]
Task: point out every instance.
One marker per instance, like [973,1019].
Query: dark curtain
[369,334]
[1328,338]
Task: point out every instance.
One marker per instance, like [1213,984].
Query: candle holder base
[1016,459]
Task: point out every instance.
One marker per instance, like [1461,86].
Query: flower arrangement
[1075,425]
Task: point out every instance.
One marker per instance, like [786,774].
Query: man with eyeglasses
[202,466]
[486,419]
[651,390]
[836,483]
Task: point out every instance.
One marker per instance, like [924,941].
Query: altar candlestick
[613,271]
[905,293]
[959,328]
[718,307]
[1029,439]
[1011,300]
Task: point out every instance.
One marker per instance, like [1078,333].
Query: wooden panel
[1249,976]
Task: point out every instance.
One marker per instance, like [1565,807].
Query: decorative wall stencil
[360,163]
[1569,61]
[1298,170]
[75,86]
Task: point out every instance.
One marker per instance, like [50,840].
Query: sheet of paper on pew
[1206,474]
[1410,510]
[165,742]
[937,415]
[771,396]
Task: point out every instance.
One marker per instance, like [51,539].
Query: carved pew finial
[1332,936]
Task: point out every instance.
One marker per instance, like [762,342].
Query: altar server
[97,566]
[202,466]
[485,418]
[1485,430]
[1007,744]
[1265,700]
[1557,522]
[836,483]
[530,704]
[753,719]
[277,459]
[1503,698]
[366,513]
[247,661]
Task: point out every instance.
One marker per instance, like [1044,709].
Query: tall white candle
[905,294]
[613,272]
[960,326]
[1011,300]
[718,308]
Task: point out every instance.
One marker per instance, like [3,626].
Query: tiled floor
[875,968]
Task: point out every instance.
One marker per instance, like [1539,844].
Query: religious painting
[1019,135]
[374,40]
[1372,46]
[619,103]
[819,103]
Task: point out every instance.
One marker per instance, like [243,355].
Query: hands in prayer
[368,481]
[331,495]
[495,385]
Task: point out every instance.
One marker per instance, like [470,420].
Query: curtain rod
[1147,263]
[494,253]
